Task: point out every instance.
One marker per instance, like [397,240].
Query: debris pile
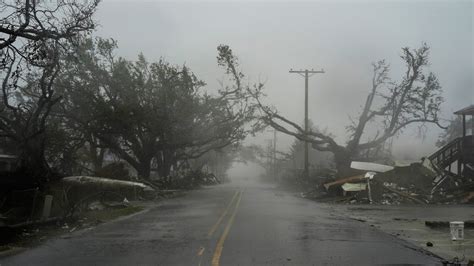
[76,189]
[418,183]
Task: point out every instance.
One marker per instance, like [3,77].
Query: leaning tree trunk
[165,169]
[144,169]
[165,162]
[343,158]
[96,154]
[32,163]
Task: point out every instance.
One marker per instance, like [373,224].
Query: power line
[306,74]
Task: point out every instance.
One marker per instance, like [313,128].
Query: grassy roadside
[31,236]
[17,240]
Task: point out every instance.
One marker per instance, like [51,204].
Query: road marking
[216,225]
[199,254]
[220,243]
[201,251]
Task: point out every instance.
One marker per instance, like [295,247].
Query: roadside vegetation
[71,107]
[82,126]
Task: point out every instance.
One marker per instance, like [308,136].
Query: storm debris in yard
[372,167]
[105,182]
[66,205]
[393,185]
[75,194]
[405,195]
[353,187]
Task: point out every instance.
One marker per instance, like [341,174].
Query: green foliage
[146,112]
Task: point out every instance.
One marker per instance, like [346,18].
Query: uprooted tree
[415,99]
[33,34]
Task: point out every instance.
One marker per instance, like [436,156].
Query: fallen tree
[414,100]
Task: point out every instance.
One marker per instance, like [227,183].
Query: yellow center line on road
[220,243]
[216,225]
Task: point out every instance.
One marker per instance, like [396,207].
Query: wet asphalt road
[240,223]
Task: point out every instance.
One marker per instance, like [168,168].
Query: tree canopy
[149,113]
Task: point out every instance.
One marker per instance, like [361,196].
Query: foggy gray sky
[343,37]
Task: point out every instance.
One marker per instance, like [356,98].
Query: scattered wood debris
[415,183]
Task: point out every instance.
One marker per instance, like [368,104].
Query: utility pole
[274,151]
[274,170]
[306,74]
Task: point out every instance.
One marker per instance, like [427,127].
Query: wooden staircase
[447,155]
[459,150]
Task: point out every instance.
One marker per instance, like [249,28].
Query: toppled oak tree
[415,99]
